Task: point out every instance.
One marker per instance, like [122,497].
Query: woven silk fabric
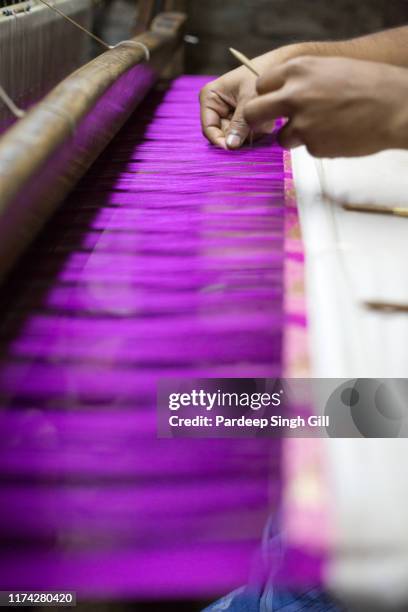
[167,260]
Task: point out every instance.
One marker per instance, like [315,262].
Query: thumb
[238,129]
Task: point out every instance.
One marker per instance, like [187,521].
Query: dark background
[256,26]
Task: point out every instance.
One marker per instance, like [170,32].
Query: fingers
[238,129]
[212,128]
[231,131]
[265,109]
[289,136]
[213,109]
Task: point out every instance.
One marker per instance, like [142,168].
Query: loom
[29,35]
[131,250]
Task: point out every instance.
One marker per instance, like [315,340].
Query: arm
[223,100]
[388,47]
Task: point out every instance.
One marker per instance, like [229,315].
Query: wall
[255,26]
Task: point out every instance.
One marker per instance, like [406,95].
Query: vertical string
[321,176]
[23,80]
[94,36]
[76,24]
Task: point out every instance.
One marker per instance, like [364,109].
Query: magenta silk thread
[166,260]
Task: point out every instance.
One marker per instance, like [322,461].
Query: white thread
[134,42]
[13,108]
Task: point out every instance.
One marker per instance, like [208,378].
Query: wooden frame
[145,15]
[149,8]
[66,47]
[44,154]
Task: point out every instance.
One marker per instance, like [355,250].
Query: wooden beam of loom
[44,154]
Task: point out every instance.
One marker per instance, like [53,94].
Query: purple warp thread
[166,260]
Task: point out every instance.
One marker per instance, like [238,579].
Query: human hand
[335,106]
[222,102]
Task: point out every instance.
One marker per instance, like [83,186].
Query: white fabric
[352,257]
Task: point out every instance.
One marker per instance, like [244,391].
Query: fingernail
[233,141]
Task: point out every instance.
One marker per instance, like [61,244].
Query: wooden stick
[388,307]
[244,60]
[398,211]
